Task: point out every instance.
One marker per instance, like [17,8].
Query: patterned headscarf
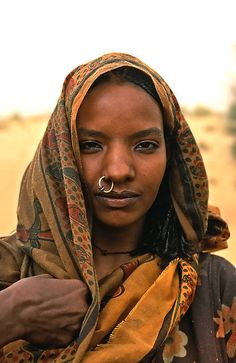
[53,214]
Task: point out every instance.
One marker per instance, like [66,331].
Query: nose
[119,164]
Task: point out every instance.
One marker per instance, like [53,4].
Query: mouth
[117,199]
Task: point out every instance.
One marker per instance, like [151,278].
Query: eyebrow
[89,132]
[153,131]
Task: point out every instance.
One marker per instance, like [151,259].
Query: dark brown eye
[90,146]
[147,146]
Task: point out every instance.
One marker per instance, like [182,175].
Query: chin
[116,220]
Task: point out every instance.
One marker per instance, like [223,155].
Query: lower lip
[117,203]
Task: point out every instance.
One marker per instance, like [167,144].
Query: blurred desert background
[215,133]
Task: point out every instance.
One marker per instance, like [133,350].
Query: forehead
[132,75]
[116,103]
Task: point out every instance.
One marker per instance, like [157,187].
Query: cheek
[155,176]
[156,170]
[90,172]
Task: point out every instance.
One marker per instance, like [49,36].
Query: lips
[118,195]
[117,199]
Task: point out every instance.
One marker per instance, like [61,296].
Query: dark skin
[46,312]
[49,312]
[121,136]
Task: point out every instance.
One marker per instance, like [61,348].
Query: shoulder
[221,274]
[216,263]
[12,245]
[11,257]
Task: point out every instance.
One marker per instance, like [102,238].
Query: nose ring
[102,188]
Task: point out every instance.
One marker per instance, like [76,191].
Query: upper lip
[118,195]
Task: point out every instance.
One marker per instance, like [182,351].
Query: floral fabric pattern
[226,322]
[175,345]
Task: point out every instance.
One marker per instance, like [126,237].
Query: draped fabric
[54,233]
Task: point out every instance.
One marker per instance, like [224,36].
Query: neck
[116,239]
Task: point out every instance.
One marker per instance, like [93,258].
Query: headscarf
[54,222]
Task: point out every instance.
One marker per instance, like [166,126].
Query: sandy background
[19,138]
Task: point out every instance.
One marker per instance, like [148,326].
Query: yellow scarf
[138,297]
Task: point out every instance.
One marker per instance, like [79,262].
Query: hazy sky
[189,42]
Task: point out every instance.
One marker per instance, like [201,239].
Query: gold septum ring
[101,187]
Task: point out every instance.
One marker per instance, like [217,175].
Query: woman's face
[121,136]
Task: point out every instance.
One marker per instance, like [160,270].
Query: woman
[114,230]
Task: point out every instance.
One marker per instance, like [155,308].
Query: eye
[90,146]
[147,146]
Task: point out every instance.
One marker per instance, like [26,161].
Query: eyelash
[145,146]
[90,146]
